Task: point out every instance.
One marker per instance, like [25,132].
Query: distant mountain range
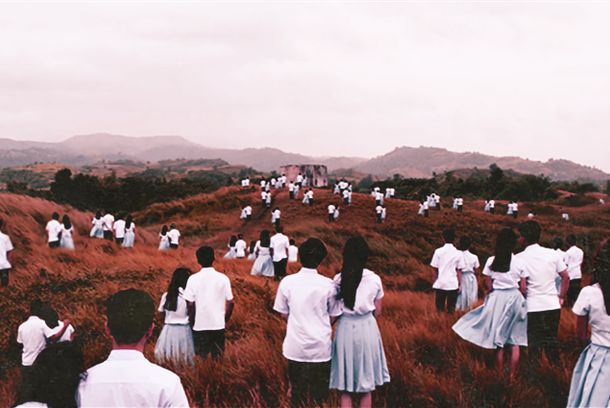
[406,161]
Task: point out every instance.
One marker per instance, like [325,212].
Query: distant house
[317,174]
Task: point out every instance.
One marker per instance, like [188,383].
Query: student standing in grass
[279,252]
[97,230]
[240,247]
[119,229]
[163,239]
[573,258]
[445,262]
[130,233]
[108,225]
[6,247]
[232,252]
[263,264]
[469,267]
[174,236]
[53,229]
[66,240]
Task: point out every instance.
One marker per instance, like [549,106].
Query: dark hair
[530,231]
[55,216]
[1,223]
[449,235]
[164,230]
[601,272]
[240,236]
[557,243]
[179,279]
[49,315]
[355,255]
[312,252]
[205,256]
[265,238]
[130,314]
[232,241]
[505,245]
[279,229]
[172,226]
[98,215]
[54,378]
[36,308]
[291,241]
[252,246]
[571,239]
[465,243]
[66,221]
[128,221]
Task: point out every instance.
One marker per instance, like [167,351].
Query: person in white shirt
[530,215]
[240,247]
[308,197]
[336,213]
[573,258]
[358,363]
[210,303]
[565,216]
[279,252]
[378,213]
[119,229]
[263,184]
[591,378]
[437,201]
[515,211]
[469,267]
[268,198]
[336,189]
[242,214]
[130,233]
[276,214]
[6,247]
[543,265]
[248,210]
[293,252]
[263,264]
[378,198]
[108,225]
[264,198]
[455,203]
[486,206]
[163,239]
[51,318]
[127,378]
[299,180]
[501,322]
[421,210]
[492,206]
[331,212]
[291,190]
[446,261]
[53,229]
[346,197]
[383,213]
[97,229]
[558,247]
[273,182]
[509,208]
[231,253]
[252,251]
[307,301]
[175,343]
[460,204]
[174,236]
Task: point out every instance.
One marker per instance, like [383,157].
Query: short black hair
[55,216]
[312,252]
[1,223]
[449,235]
[530,231]
[465,243]
[571,239]
[130,314]
[279,229]
[205,256]
[291,241]
[36,307]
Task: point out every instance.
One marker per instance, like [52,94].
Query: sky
[529,79]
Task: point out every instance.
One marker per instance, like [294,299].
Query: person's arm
[9,255]
[229,306]
[191,310]
[565,283]
[523,286]
[488,283]
[459,278]
[53,338]
[162,316]
[582,324]
[378,308]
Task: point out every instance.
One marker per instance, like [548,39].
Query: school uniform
[460,204]
[468,295]
[68,333]
[378,199]
[263,264]
[174,238]
[308,299]
[502,319]
[275,217]
[248,211]
[242,214]
[515,210]
[280,244]
[331,213]
[421,209]
[336,214]
[346,197]
[107,226]
[383,214]
[264,198]
[53,229]
[33,334]
[291,190]
[119,231]
[492,206]
[590,385]
[240,248]
[573,258]
[209,290]
[299,180]
[231,254]
[543,265]
[6,246]
[565,216]
[128,379]
[358,361]
[378,211]
[163,242]
[130,236]
[437,201]
[268,200]
[293,253]
[97,230]
[66,241]
[455,204]
[175,343]
[426,209]
[446,260]
[486,206]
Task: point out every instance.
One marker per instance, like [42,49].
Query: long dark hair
[98,215]
[233,240]
[355,255]
[66,221]
[164,230]
[601,272]
[49,315]
[265,238]
[128,221]
[179,279]
[252,246]
[505,245]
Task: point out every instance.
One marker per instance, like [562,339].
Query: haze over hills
[406,161]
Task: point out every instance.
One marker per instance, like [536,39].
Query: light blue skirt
[358,361]
[469,292]
[501,320]
[232,254]
[263,265]
[129,239]
[66,243]
[96,232]
[175,344]
[590,385]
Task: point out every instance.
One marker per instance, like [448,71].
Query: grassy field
[429,364]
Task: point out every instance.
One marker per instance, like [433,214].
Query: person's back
[542,266]
[573,258]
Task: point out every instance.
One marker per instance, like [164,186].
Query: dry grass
[429,365]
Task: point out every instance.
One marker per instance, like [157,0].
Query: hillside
[429,366]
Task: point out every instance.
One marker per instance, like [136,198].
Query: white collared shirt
[127,379]
[174,236]
[469,261]
[308,299]
[590,303]
[573,258]
[5,247]
[119,229]
[543,265]
[33,334]
[446,259]
[280,244]
[293,253]
[331,209]
[509,279]
[53,229]
[108,221]
[240,248]
[369,291]
[178,316]
[209,290]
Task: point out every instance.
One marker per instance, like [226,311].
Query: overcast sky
[528,79]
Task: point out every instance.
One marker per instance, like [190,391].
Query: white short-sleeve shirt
[209,290]
[53,229]
[543,265]
[573,258]
[590,303]
[469,261]
[33,334]
[174,236]
[369,291]
[5,247]
[308,299]
[119,229]
[293,253]
[178,316]
[127,379]
[240,248]
[108,221]
[506,280]
[280,244]
[331,209]
[446,259]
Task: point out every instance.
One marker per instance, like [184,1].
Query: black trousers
[460,208]
[173,246]
[119,240]
[515,214]
[108,235]
[446,300]
[573,292]
[542,334]
[308,382]
[4,276]
[291,193]
[209,342]
[54,244]
[279,268]
[331,217]
[492,210]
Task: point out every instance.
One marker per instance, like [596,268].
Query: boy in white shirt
[53,229]
[248,212]
[293,252]
[378,213]
[174,236]
[492,206]
[240,247]
[127,378]
[573,258]
[119,230]
[275,216]
[383,213]
[446,262]
[107,226]
[346,196]
[460,204]
[291,190]
[6,247]
[331,213]
[210,303]
[279,249]
[307,301]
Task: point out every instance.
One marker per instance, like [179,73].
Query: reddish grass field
[429,365]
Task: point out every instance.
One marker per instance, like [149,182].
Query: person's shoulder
[591,290]
[163,376]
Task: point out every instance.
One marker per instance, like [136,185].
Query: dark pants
[248,217]
[460,208]
[542,334]
[54,244]
[108,235]
[27,380]
[308,382]
[515,214]
[426,212]
[173,246]
[346,201]
[331,217]
[279,268]
[277,222]
[4,276]
[492,210]
[573,292]
[445,300]
[209,342]
[377,202]
[379,218]
[119,240]
[291,193]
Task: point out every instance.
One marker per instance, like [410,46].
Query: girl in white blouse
[66,241]
[130,233]
[97,230]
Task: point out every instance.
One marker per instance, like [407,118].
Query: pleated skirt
[175,344]
[469,293]
[129,239]
[66,243]
[590,385]
[358,361]
[501,320]
[232,254]
[263,265]
[96,232]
